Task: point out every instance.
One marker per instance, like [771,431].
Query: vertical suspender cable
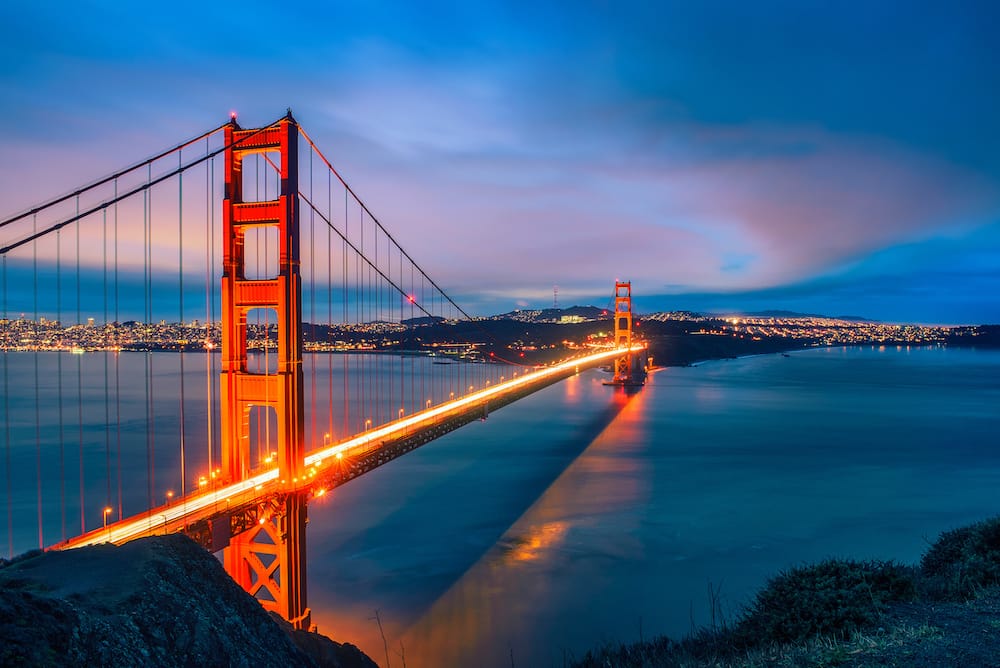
[38,403]
[377,317]
[423,392]
[79,375]
[180,310]
[106,352]
[118,396]
[211,319]
[147,205]
[344,329]
[6,417]
[329,304]
[363,358]
[62,440]
[413,380]
[208,308]
[369,318]
[312,297]
[358,368]
[402,368]
[390,371]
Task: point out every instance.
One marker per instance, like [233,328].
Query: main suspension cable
[150,182]
[108,179]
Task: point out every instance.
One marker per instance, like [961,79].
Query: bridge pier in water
[267,557]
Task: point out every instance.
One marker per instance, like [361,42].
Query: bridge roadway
[333,465]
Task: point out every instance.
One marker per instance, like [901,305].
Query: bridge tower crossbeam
[268,559]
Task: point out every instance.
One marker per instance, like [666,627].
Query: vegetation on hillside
[845,612]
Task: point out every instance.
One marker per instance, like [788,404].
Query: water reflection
[576,516]
[488,616]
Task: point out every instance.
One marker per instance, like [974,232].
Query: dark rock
[325,652]
[155,601]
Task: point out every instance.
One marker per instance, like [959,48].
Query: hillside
[160,601]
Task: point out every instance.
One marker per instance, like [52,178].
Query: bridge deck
[333,465]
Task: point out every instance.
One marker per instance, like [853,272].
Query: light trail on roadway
[194,507]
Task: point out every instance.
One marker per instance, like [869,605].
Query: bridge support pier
[268,559]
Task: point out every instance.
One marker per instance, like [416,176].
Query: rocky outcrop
[160,601]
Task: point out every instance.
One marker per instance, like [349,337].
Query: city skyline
[723,158]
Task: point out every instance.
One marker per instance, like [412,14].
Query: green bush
[833,597]
[963,561]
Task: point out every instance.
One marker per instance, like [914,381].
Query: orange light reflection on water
[485,615]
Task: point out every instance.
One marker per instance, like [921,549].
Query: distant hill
[793,314]
[423,320]
[554,314]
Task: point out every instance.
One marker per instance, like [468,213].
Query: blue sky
[838,157]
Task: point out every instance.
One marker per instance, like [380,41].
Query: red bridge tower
[268,558]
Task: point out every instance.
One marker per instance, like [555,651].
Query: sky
[824,157]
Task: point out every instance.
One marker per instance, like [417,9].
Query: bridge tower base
[267,559]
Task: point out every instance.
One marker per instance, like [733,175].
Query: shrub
[963,561]
[833,597]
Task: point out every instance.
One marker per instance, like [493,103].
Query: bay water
[581,514]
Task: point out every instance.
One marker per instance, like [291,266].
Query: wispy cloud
[696,149]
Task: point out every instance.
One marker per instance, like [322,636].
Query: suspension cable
[359,254]
[150,182]
[108,179]
[376,220]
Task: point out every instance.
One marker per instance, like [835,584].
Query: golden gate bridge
[310,278]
